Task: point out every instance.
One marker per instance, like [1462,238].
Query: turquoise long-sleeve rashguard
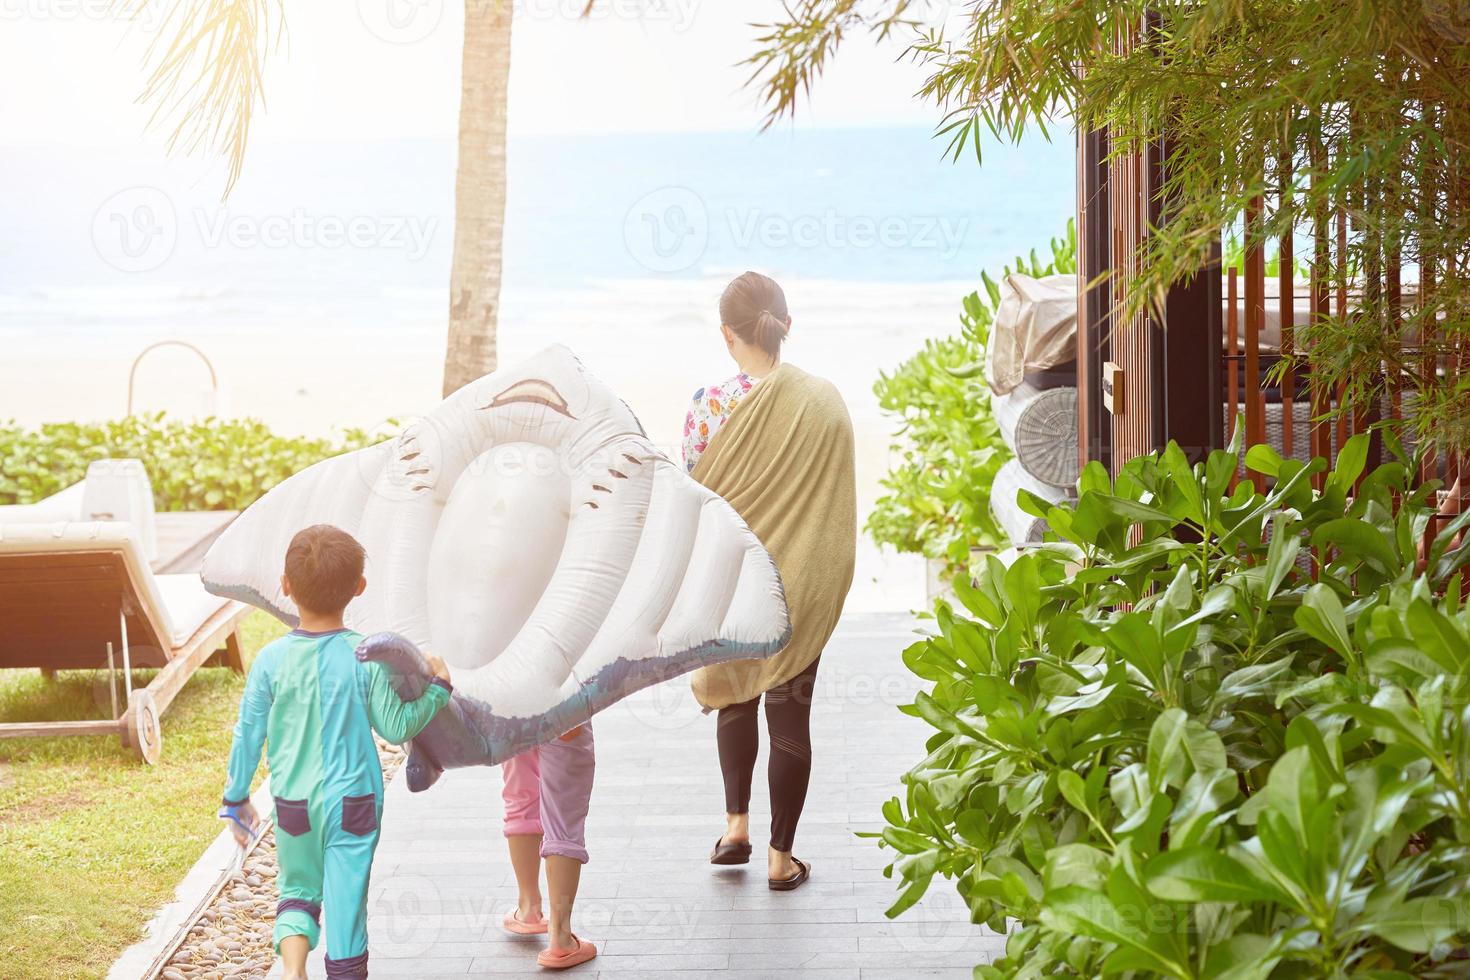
[314,707]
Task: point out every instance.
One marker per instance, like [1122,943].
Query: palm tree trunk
[479,194]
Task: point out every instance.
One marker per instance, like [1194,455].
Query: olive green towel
[784,461]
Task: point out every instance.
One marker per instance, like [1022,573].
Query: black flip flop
[730,852]
[794,882]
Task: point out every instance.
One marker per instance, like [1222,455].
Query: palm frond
[205,78]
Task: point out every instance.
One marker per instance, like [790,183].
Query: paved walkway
[649,899]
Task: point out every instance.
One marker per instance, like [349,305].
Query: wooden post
[1287,311]
[1342,315]
[1321,438]
[1232,330]
[234,658]
[1255,309]
[1094,306]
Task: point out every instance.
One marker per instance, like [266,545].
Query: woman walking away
[777,444]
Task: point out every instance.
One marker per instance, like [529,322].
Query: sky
[70,71]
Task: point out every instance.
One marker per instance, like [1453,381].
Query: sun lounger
[80,595]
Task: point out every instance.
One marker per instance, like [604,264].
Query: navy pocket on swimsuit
[360,814]
[292,816]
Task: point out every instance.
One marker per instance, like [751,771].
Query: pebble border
[231,938]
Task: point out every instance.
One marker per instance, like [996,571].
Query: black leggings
[788,722]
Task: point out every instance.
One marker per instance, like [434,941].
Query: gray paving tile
[649,897]
[640,965]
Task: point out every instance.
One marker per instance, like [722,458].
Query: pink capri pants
[548,790]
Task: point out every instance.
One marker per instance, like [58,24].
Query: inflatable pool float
[527,532]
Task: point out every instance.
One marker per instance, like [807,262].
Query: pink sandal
[516,926]
[560,959]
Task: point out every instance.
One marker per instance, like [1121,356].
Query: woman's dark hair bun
[770,331]
[754,307]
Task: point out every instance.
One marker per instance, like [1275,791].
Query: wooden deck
[649,899]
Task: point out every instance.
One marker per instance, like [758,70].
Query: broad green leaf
[1178,745]
[1182,477]
[1130,790]
[1417,925]
[1244,956]
[1136,640]
[1294,791]
[1073,789]
[1303,732]
[1086,912]
[1263,459]
[1202,874]
[1351,459]
[1393,719]
[1328,688]
[1360,540]
[943,719]
[1094,479]
[908,897]
[1216,601]
[1281,555]
[992,291]
[1220,465]
[1401,660]
[1200,799]
[1257,680]
[1321,615]
[1023,589]
[1094,696]
[1075,864]
[906,841]
[1437,635]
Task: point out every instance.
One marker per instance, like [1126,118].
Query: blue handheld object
[232,813]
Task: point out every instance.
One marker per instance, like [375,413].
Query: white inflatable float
[527,532]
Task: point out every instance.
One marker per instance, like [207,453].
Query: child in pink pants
[547,793]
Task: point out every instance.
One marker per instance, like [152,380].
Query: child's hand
[243,814]
[438,667]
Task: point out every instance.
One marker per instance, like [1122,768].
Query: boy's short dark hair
[324,565]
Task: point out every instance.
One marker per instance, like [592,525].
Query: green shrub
[1206,733]
[937,497]
[211,464]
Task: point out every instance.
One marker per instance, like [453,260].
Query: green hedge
[1207,732]
[210,464]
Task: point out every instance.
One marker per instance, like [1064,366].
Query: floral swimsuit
[712,406]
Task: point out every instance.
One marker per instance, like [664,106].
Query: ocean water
[323,242]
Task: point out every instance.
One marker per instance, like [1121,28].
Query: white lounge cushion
[119,490]
[188,603]
[113,490]
[65,505]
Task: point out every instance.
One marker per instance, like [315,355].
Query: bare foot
[737,829]
[780,866]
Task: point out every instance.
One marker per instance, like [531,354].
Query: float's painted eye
[533,391]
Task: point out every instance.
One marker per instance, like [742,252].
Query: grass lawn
[94,841]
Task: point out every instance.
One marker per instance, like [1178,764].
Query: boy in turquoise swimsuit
[317,706]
